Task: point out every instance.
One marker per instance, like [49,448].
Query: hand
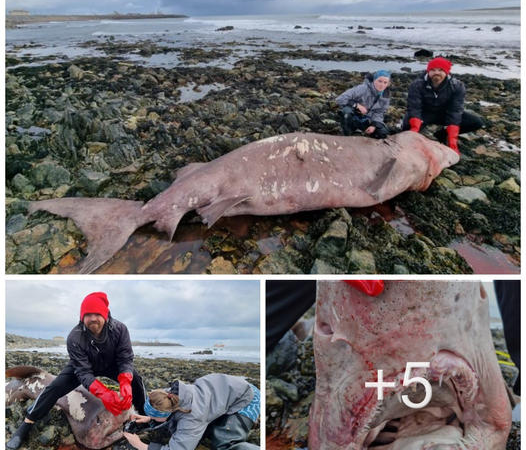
[369,287]
[452,137]
[110,399]
[414,124]
[361,108]
[370,129]
[125,388]
[140,419]
[135,441]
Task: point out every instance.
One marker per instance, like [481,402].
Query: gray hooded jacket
[208,398]
[366,95]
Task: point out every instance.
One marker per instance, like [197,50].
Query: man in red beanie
[98,346]
[437,98]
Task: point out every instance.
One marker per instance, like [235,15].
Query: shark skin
[279,175]
[91,423]
[443,323]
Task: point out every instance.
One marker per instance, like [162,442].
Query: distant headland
[16,341]
[15,18]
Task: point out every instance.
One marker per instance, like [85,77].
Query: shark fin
[213,211]
[374,186]
[107,223]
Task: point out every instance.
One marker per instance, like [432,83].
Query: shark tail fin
[106,223]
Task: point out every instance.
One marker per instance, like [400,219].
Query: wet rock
[221,265]
[285,390]
[49,174]
[469,194]
[21,184]
[510,185]
[497,28]
[92,182]
[48,435]
[96,147]
[75,72]
[361,261]
[423,53]
[283,355]
[273,402]
[282,261]
[15,223]
[333,241]
[227,28]
[400,269]
[323,267]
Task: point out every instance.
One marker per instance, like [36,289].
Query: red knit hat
[95,303]
[439,63]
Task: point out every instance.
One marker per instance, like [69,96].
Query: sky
[192,312]
[247,7]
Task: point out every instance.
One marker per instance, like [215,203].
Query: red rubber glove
[452,137]
[125,380]
[414,124]
[110,399]
[369,287]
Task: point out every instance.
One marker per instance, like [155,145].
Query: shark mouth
[446,423]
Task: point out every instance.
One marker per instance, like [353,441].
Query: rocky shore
[53,432]
[110,127]
[290,384]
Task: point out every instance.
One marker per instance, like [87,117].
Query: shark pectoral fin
[106,223]
[374,186]
[218,208]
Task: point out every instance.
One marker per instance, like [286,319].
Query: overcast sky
[235,7]
[193,313]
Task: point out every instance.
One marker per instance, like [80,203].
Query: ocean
[465,33]
[240,354]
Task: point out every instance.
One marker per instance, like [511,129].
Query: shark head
[443,324]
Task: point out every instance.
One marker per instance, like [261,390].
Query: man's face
[437,76]
[94,322]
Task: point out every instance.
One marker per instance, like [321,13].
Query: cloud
[181,311]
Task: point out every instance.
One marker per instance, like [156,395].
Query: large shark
[92,424]
[445,324]
[278,175]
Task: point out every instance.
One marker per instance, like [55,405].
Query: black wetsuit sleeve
[456,105]
[80,361]
[286,302]
[414,100]
[124,352]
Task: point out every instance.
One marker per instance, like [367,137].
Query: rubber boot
[19,436]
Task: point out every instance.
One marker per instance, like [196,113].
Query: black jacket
[108,356]
[445,105]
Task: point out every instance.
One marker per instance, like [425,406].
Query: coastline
[161,104]
[13,21]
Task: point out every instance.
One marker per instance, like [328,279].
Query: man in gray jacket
[364,106]
[222,407]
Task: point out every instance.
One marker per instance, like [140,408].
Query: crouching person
[364,106]
[221,407]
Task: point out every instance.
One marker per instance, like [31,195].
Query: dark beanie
[439,63]
[95,303]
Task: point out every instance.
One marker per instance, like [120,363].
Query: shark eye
[325,328]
